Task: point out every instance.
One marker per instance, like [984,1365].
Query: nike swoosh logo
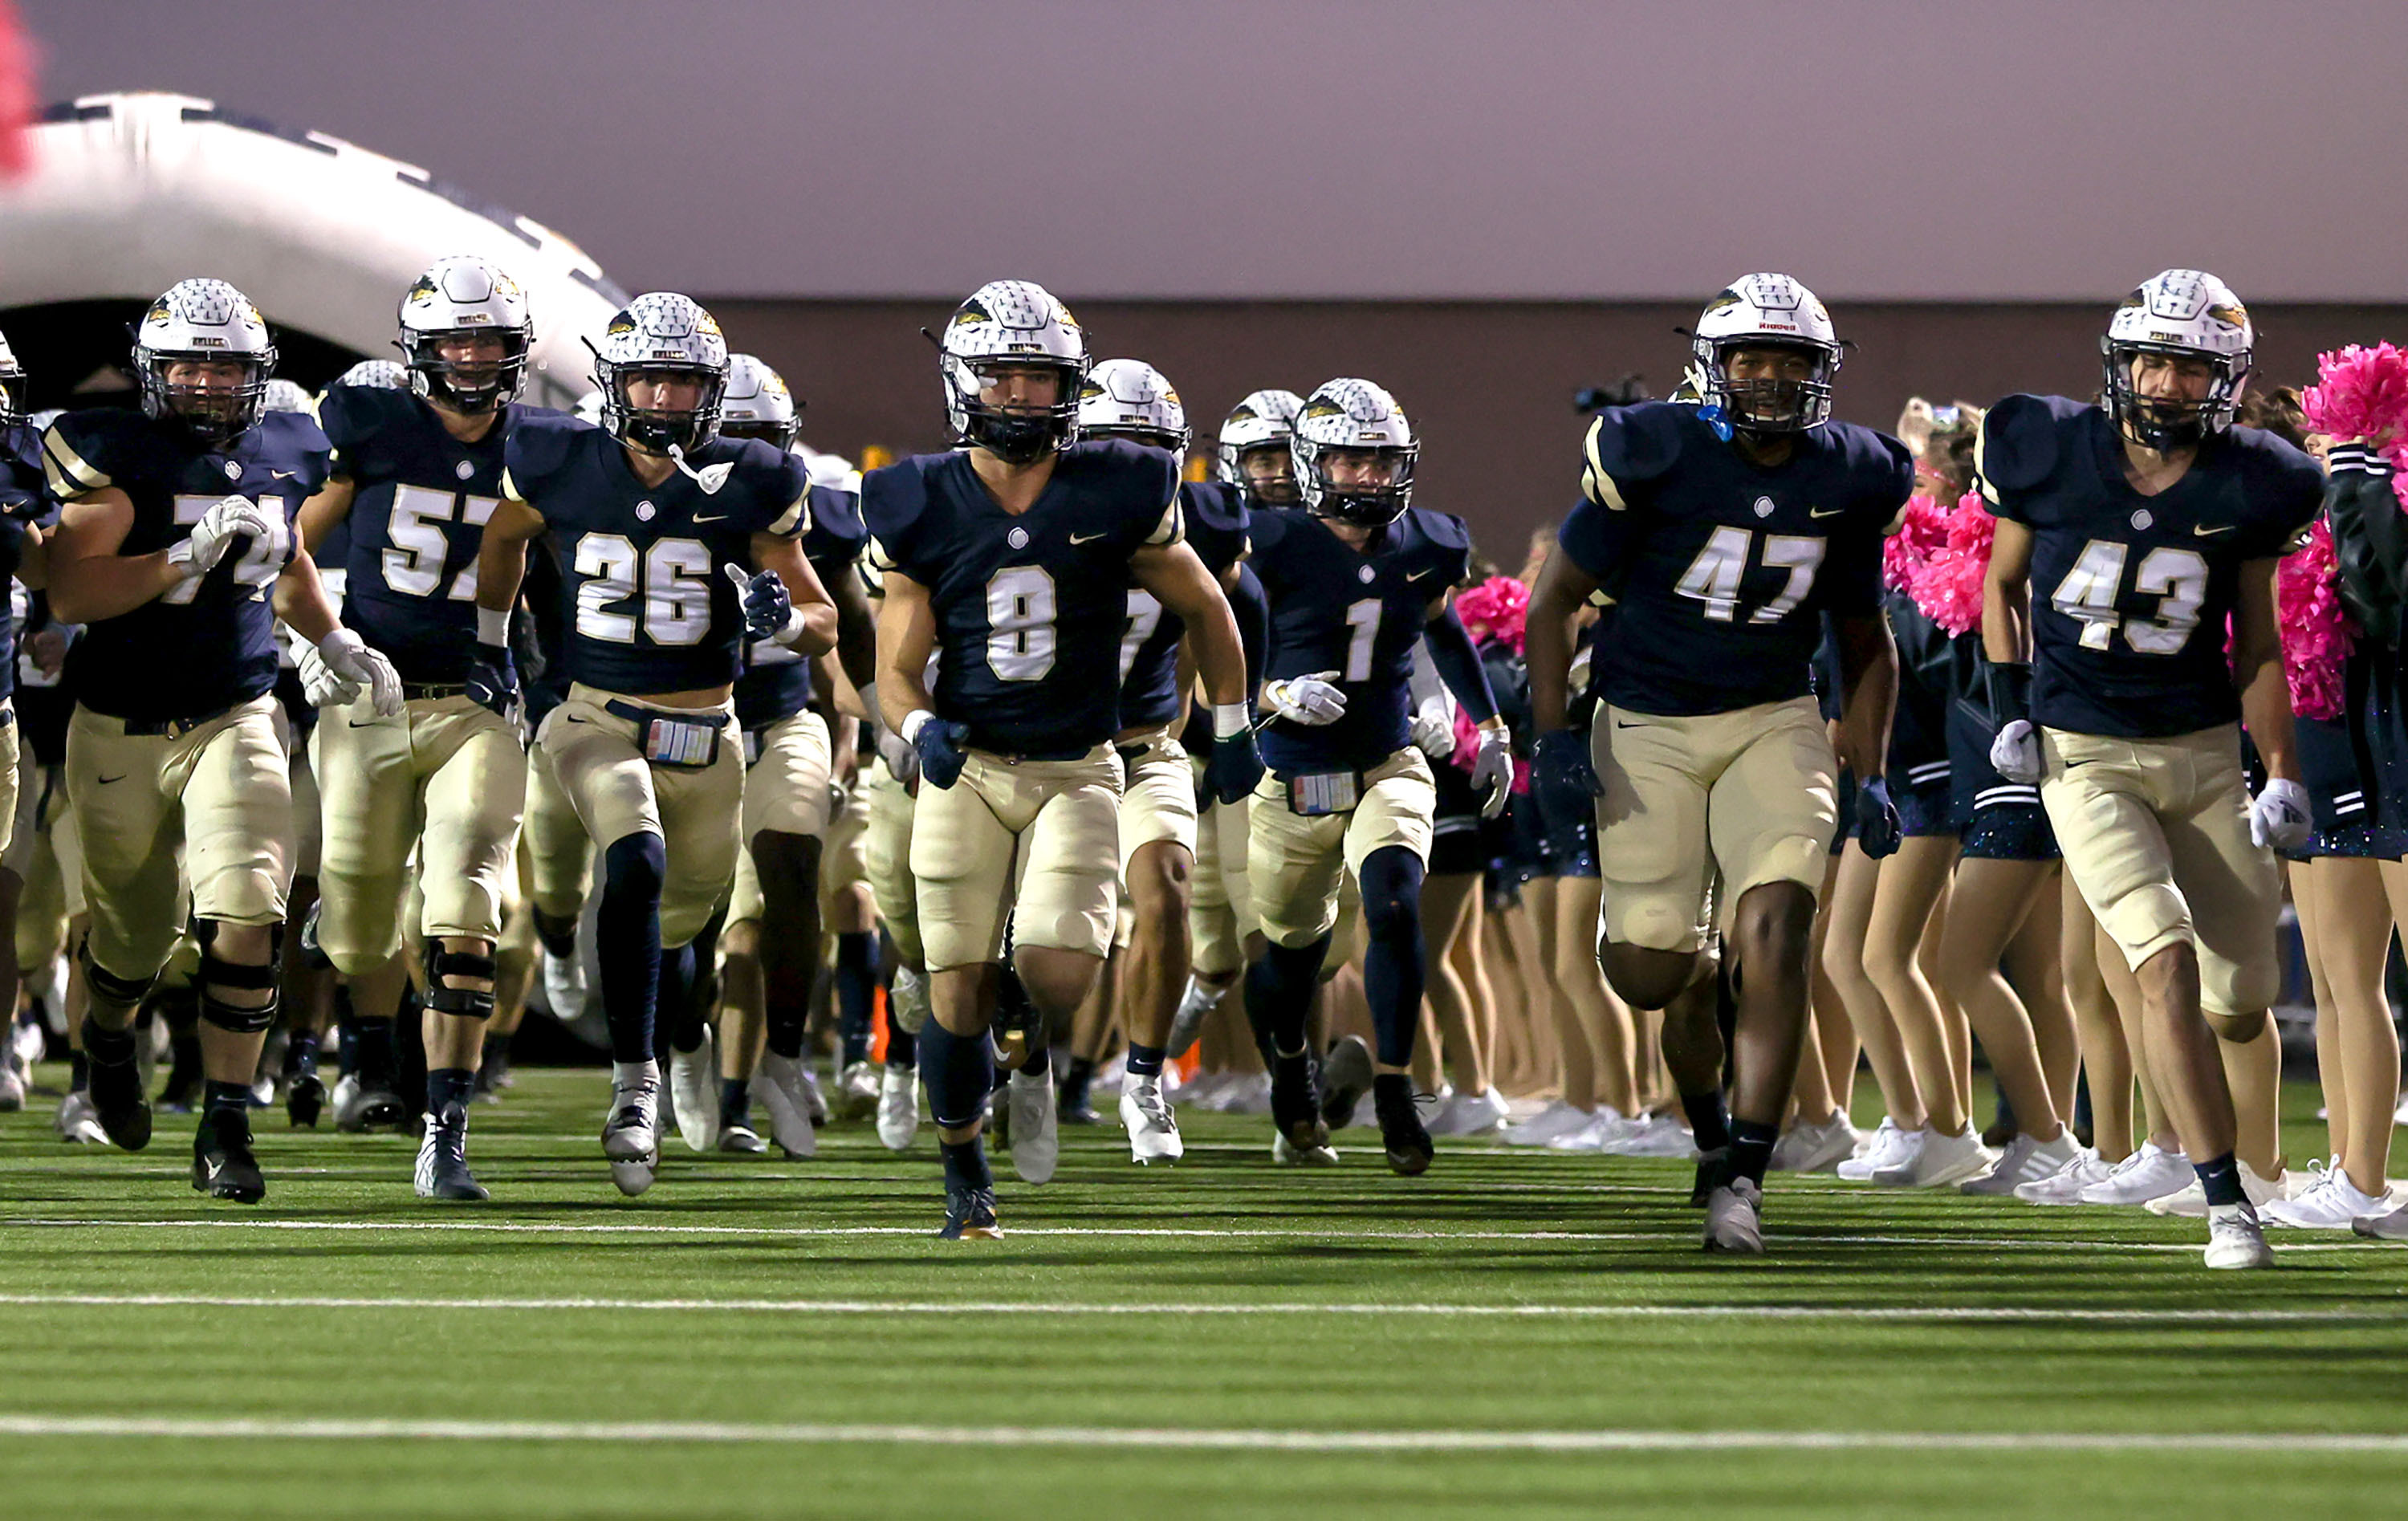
[279,475]
[1085,538]
[2204,531]
[1825,511]
[699,518]
[216,1167]
[1622,724]
[1419,575]
[104,780]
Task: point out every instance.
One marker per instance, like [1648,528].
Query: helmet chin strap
[709,478]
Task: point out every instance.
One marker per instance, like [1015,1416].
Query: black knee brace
[464,1002]
[217,974]
[129,991]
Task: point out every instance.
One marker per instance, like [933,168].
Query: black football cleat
[970,1216]
[1402,1136]
[442,1170]
[118,1104]
[304,1099]
[1301,1137]
[223,1164]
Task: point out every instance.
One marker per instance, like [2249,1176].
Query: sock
[558,937]
[1040,1059]
[966,1164]
[447,1087]
[1709,1121]
[2220,1178]
[686,1021]
[372,1049]
[959,1071]
[1145,1061]
[79,1072]
[1075,1082]
[1393,953]
[1279,995]
[301,1053]
[857,991]
[106,1047]
[218,1095]
[628,943]
[347,1036]
[902,1047]
[735,1102]
[1750,1149]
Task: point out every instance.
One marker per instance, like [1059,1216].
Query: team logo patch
[1764,506]
[644,511]
[421,293]
[1363,574]
[621,324]
[464,470]
[2142,518]
[972,314]
[1017,539]
[233,470]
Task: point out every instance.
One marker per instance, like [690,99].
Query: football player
[2130,535]
[772,935]
[1125,398]
[1723,530]
[674,544]
[175,537]
[1010,561]
[21,506]
[1354,579]
[414,475]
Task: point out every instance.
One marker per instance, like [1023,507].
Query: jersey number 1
[1714,577]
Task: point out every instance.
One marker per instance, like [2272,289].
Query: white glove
[1433,728]
[2279,816]
[1492,771]
[902,761]
[228,518]
[349,659]
[1311,700]
[2014,752]
[273,541]
[320,686]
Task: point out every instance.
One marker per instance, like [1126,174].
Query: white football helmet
[12,387]
[1264,420]
[757,405]
[1765,311]
[382,374]
[286,396]
[464,295]
[1128,398]
[2187,312]
[1012,324]
[203,322]
[656,332]
[1354,454]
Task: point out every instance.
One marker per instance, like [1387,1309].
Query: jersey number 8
[2177,578]
[1020,611]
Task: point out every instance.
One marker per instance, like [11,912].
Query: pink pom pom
[1497,609]
[2360,393]
[2317,631]
[1922,531]
[1947,584]
[1467,741]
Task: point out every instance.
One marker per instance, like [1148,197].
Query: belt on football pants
[175,728]
[418,691]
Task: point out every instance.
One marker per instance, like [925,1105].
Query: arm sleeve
[1252,612]
[1458,665]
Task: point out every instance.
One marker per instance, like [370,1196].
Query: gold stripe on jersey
[1981,472]
[1172,529]
[70,476]
[798,518]
[1597,483]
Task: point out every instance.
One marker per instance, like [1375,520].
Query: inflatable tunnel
[132,193]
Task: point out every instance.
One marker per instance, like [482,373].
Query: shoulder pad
[86,451]
[893,499]
[536,448]
[349,414]
[1443,529]
[835,533]
[1885,465]
[1640,442]
[2020,442]
[296,437]
[1215,523]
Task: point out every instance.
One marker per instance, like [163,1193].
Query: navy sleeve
[1252,612]
[349,417]
[1458,665]
[2015,450]
[2288,492]
[534,452]
[86,452]
[836,534]
[1452,541]
[892,500]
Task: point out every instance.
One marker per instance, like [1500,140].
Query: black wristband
[2009,692]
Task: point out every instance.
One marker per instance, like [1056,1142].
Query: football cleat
[360,1106]
[1302,1135]
[2234,1238]
[1735,1219]
[305,1100]
[13,1088]
[856,1090]
[741,1140]
[1152,1133]
[1036,1142]
[76,1123]
[898,1107]
[1406,1143]
[1310,1148]
[563,985]
[442,1170]
[1346,1078]
[1815,1148]
[222,1164]
[783,1085]
[119,1106]
[630,1132]
[692,1077]
[970,1216]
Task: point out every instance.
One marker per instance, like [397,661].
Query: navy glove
[1878,829]
[493,680]
[1236,767]
[942,749]
[1564,780]
[767,608]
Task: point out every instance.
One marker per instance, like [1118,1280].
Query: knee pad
[465,1003]
[129,991]
[217,973]
[635,868]
[234,1017]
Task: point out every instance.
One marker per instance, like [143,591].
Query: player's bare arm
[1179,582]
[1868,671]
[89,580]
[2257,671]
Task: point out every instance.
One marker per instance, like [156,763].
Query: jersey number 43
[2177,578]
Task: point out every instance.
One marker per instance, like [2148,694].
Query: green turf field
[1512,1333]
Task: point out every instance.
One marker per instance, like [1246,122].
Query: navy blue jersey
[1214,517]
[208,644]
[1918,730]
[777,683]
[1356,612]
[1720,568]
[646,605]
[1030,609]
[21,504]
[2130,594]
[420,498]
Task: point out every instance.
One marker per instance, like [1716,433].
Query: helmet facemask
[779,435]
[2166,422]
[1277,488]
[469,387]
[214,416]
[1335,485]
[656,430]
[1769,406]
[12,396]
[1019,434]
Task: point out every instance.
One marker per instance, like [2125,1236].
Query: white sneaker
[898,1107]
[856,1090]
[1557,1119]
[1735,1219]
[907,999]
[1036,1141]
[563,985]
[77,1123]
[2189,1202]
[2067,1186]
[1815,1148]
[780,1084]
[1602,1127]
[1153,1134]
[691,1076]
[1473,1115]
[1944,1159]
[2151,1172]
[2234,1238]
[2330,1202]
[630,1131]
[1886,1147]
[2390,1226]
[2400,1115]
[1657,1135]
[2025,1161]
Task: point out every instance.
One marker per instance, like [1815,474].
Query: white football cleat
[77,1123]
[1152,1133]
[1815,1148]
[2025,1161]
[1285,1154]
[12,1086]
[630,1131]
[2330,1202]
[2151,1172]
[563,985]
[898,1107]
[693,1079]
[856,1090]
[780,1084]
[1035,1141]
[1656,1134]
[1942,1161]
[2189,1202]
[2067,1186]
[2234,1238]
